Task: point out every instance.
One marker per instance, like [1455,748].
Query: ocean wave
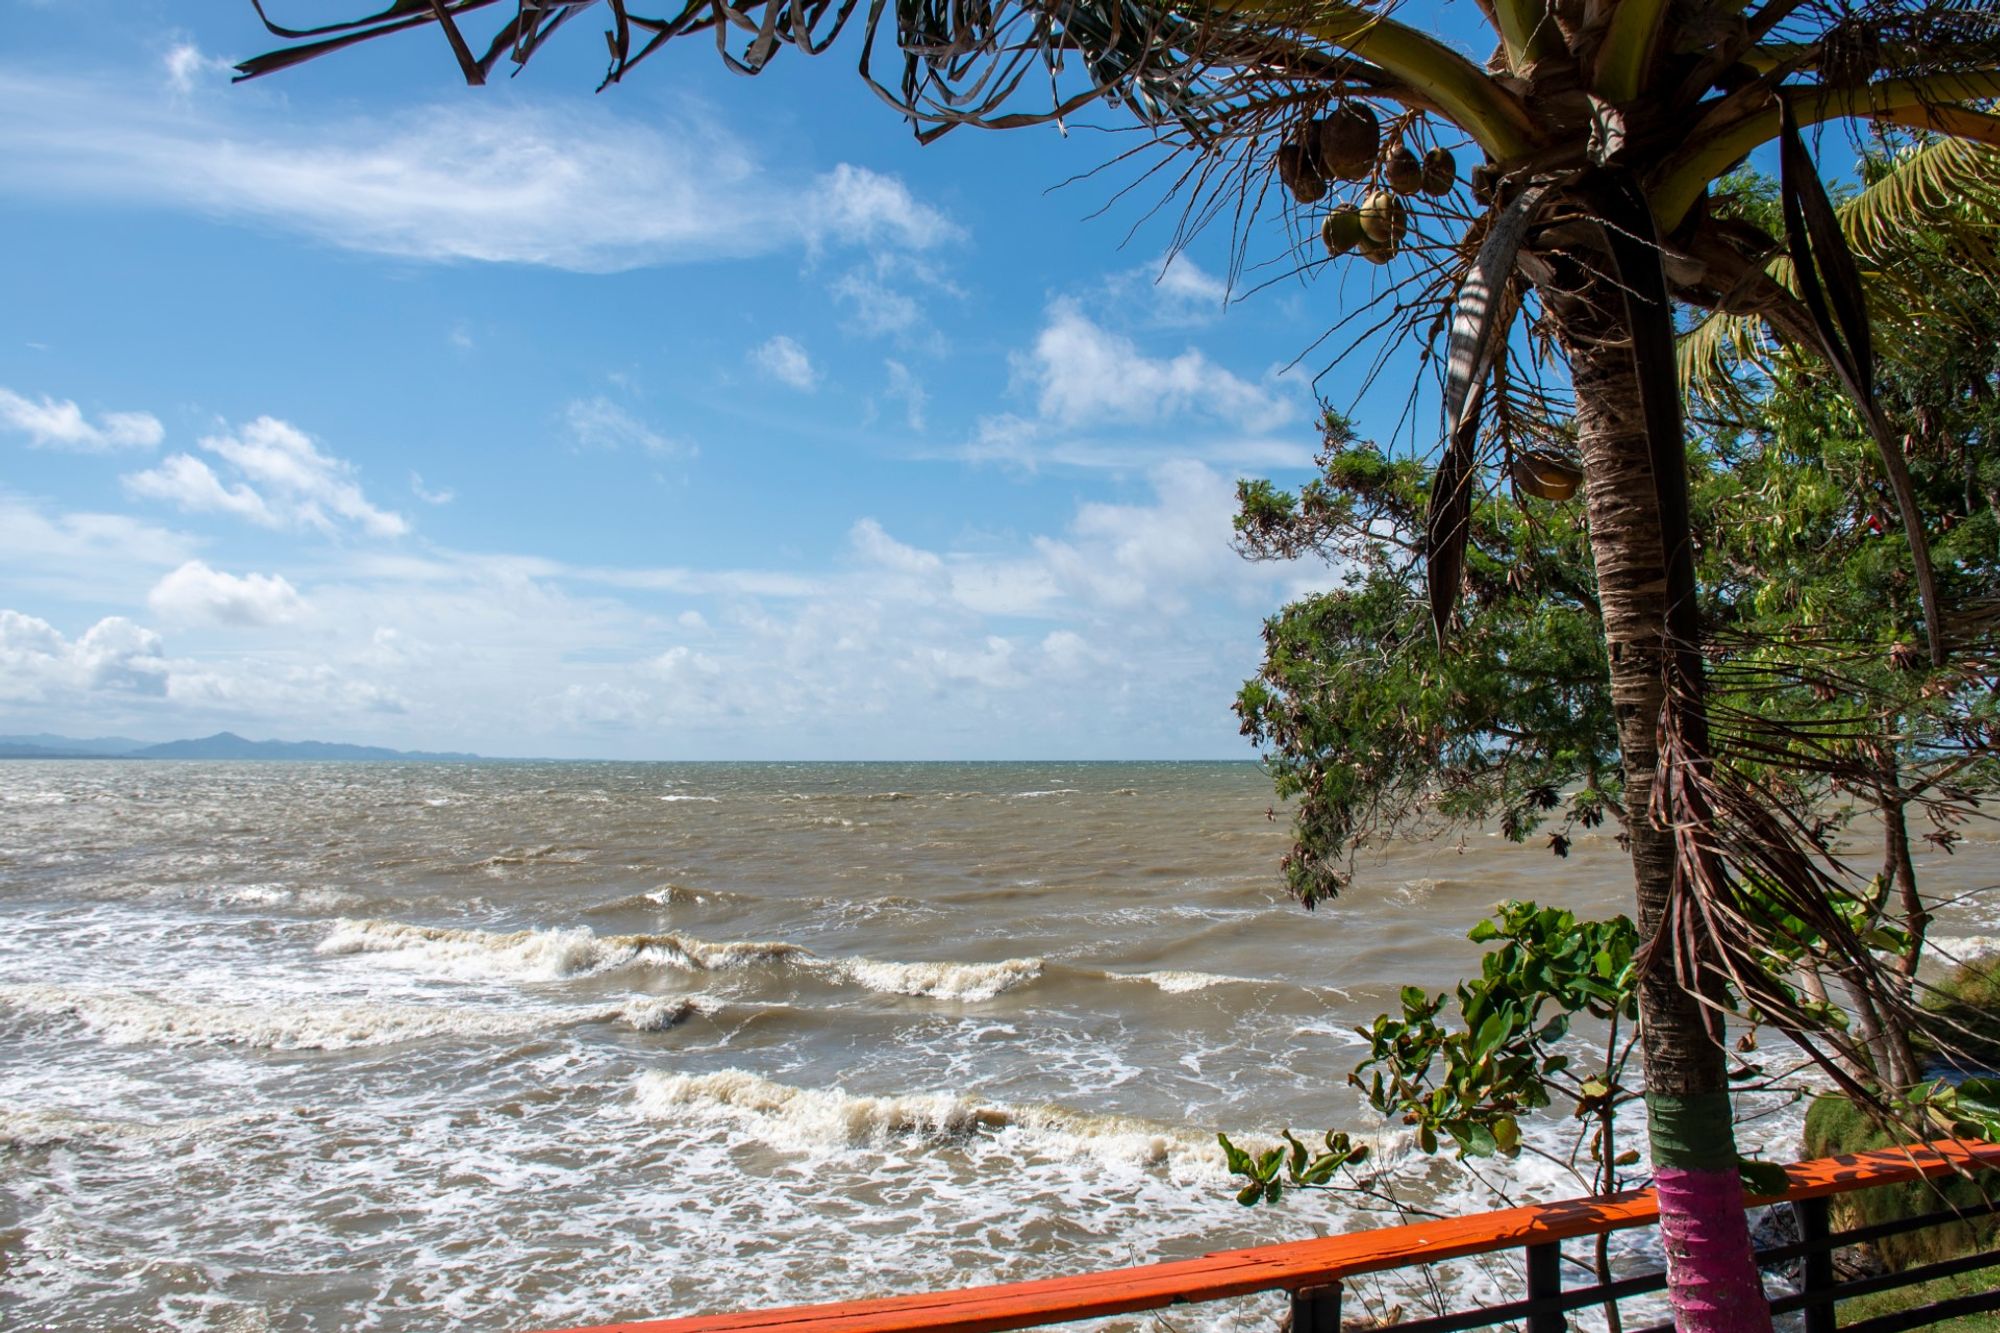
[1963,948]
[667,895]
[1051,791]
[557,955]
[1181,983]
[25,1130]
[128,1019]
[943,981]
[709,800]
[824,1119]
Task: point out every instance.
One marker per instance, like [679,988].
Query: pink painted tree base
[1708,1253]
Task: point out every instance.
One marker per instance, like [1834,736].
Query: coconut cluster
[1346,145]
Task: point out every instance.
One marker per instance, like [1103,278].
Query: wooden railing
[1313,1270]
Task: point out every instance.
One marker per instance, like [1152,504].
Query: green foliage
[1303,1168]
[1369,723]
[1472,1081]
[1469,1082]
[1835,1126]
[1967,1005]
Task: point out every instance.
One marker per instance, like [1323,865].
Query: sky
[708,417]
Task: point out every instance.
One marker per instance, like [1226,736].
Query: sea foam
[829,1119]
[559,954]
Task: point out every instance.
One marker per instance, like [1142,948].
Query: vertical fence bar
[1545,1279]
[1815,1229]
[1316,1309]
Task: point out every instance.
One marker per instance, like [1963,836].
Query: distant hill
[222,745]
[45,745]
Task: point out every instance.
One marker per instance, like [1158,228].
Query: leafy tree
[1603,127]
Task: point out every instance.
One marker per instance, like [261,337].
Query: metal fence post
[1544,1280]
[1815,1229]
[1316,1309]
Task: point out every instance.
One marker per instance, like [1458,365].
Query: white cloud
[50,424]
[877,547]
[599,423]
[190,484]
[282,480]
[1172,291]
[1084,374]
[441,496]
[857,205]
[910,389]
[188,67]
[877,308]
[37,662]
[195,594]
[571,185]
[784,360]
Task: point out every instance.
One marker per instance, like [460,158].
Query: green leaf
[1476,1140]
[1765,1178]
[1250,1194]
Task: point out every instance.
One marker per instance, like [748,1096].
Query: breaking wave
[127,1019]
[823,1119]
[555,955]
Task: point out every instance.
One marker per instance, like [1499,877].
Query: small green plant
[1508,1054]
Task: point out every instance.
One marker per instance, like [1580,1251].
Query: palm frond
[1953,184]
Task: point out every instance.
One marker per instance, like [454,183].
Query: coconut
[1440,171]
[1299,175]
[1348,141]
[1377,252]
[1296,170]
[1341,231]
[1485,177]
[1384,218]
[1545,475]
[1403,170]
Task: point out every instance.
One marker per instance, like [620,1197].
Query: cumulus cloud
[195,594]
[280,479]
[599,423]
[571,185]
[114,655]
[1085,374]
[784,360]
[53,424]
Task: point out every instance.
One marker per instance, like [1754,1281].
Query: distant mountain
[44,744]
[222,745]
[228,745]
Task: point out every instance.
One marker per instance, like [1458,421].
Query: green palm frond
[1713,354]
[1949,184]
[1929,211]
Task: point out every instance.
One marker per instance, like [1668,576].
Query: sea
[532,1045]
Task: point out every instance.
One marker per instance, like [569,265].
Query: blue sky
[709,417]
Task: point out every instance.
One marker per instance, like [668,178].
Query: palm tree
[1603,124]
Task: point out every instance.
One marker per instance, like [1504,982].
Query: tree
[1603,126]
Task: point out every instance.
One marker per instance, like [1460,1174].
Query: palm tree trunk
[1713,1283]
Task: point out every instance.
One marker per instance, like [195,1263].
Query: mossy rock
[1834,1128]
[1968,1003]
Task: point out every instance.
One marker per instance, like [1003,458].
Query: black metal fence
[1548,1302]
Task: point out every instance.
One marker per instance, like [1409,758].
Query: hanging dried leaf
[1826,276]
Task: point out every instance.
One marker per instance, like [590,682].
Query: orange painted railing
[1296,1265]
